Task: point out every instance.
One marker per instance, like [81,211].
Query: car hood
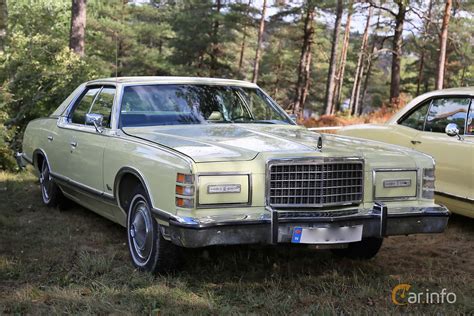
[241,142]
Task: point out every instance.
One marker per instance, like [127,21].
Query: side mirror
[452,130]
[95,119]
[293,117]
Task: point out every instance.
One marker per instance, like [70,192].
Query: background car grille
[315,184]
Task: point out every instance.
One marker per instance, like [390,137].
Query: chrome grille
[315,183]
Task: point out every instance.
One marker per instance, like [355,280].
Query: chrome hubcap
[141,231]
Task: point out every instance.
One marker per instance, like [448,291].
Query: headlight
[393,184]
[223,189]
[428,184]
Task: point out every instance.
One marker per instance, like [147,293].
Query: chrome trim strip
[453,196]
[396,198]
[229,205]
[83,187]
[35,163]
[26,158]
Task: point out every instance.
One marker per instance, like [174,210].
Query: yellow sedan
[440,124]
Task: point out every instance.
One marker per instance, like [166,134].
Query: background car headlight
[428,184]
[223,189]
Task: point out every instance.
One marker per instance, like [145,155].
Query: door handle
[73,144]
[50,138]
[415,142]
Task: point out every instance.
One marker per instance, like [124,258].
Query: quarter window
[416,119]
[82,107]
[445,111]
[103,104]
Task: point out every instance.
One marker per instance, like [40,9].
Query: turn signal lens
[428,185]
[184,190]
[184,178]
[184,203]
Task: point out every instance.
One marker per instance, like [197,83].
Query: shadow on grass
[76,261]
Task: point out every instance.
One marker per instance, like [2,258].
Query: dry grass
[55,262]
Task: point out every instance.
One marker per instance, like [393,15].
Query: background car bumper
[376,223]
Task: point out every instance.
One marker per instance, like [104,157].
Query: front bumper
[276,228]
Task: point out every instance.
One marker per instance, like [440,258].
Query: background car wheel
[365,249]
[148,249]
[50,192]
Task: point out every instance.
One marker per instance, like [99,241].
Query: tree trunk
[397,52]
[332,61]
[244,38]
[276,87]
[78,26]
[304,67]
[259,43]
[215,50]
[342,62]
[3,23]
[443,40]
[370,63]
[421,67]
[354,102]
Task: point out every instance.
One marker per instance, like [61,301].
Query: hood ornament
[320,143]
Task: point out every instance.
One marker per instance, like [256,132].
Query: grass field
[74,261]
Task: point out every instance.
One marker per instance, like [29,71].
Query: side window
[103,104]
[78,115]
[416,119]
[445,111]
[470,120]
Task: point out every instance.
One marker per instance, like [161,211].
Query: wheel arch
[38,156]
[125,180]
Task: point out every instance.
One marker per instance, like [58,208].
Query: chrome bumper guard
[277,228]
[20,160]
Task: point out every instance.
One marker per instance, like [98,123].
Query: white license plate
[327,235]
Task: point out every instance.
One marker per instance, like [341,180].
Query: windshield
[148,105]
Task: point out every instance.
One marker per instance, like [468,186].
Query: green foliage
[205,38]
[38,70]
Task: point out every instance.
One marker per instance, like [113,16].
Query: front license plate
[327,235]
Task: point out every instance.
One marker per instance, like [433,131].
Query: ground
[73,261]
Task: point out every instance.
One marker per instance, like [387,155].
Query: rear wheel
[50,193]
[148,249]
[365,249]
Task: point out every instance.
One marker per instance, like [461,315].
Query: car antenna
[116,56]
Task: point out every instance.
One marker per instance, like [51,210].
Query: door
[454,156]
[409,127]
[86,144]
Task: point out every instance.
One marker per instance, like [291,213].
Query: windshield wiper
[259,122]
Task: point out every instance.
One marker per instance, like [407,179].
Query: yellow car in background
[440,124]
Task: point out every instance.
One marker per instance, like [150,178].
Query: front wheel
[365,249]
[148,249]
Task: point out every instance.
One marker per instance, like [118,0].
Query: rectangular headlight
[223,189]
